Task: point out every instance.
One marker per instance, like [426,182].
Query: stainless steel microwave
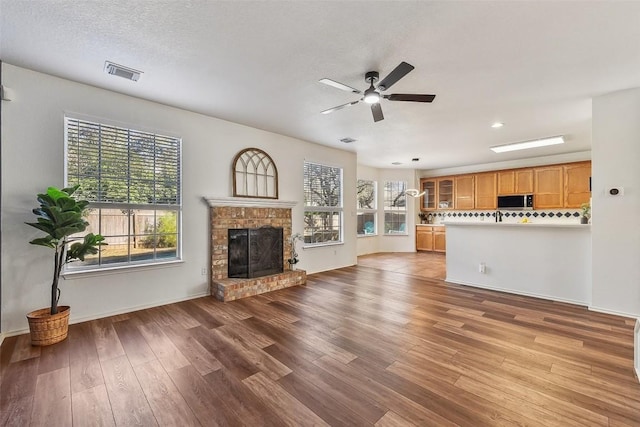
[520,201]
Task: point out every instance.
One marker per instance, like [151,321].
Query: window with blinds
[395,207]
[366,204]
[132,180]
[322,204]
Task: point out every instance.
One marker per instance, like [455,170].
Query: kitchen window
[395,208]
[322,204]
[367,212]
[132,180]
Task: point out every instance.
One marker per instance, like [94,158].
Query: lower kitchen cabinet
[439,240]
[430,238]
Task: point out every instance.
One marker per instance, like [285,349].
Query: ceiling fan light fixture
[529,144]
[414,192]
[371,96]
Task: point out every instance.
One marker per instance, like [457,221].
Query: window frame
[324,209]
[157,208]
[396,210]
[373,210]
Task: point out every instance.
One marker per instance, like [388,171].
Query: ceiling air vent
[122,71]
[348,140]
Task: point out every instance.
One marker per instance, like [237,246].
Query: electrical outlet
[203,271]
[482,268]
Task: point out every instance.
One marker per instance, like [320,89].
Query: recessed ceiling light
[528,144]
[497,125]
[396,163]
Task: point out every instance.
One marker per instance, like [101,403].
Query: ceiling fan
[372,95]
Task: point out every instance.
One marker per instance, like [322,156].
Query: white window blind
[132,181]
[322,204]
[395,207]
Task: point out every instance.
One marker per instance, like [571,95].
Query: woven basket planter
[47,329]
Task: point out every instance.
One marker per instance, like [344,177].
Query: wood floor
[358,346]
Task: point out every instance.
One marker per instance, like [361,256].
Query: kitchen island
[551,261]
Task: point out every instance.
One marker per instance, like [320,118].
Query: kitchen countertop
[517,224]
[430,225]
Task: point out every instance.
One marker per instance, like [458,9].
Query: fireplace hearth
[255,252]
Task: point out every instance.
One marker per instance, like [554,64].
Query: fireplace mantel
[243,202]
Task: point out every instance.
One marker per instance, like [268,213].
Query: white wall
[615,229]
[541,260]
[33,158]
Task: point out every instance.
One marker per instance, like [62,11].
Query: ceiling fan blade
[412,97]
[339,107]
[399,72]
[338,85]
[377,112]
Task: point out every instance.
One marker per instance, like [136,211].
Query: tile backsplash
[547,216]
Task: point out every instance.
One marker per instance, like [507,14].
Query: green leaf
[71,190]
[47,228]
[62,232]
[41,212]
[48,241]
[88,246]
[55,193]
[66,203]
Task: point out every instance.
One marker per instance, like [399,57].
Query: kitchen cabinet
[464,192]
[431,238]
[576,184]
[548,187]
[439,239]
[486,190]
[445,193]
[424,238]
[561,186]
[428,186]
[516,181]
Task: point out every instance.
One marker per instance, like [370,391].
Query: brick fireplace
[236,212]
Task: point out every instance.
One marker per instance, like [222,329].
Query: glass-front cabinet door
[428,186]
[445,193]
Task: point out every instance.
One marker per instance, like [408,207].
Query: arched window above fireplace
[254,175]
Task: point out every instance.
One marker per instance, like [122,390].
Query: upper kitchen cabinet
[516,181]
[576,184]
[486,190]
[445,193]
[548,187]
[464,192]
[428,186]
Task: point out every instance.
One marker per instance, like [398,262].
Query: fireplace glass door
[255,252]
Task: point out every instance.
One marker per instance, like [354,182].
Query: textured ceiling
[533,65]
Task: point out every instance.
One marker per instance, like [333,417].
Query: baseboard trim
[1,338]
[511,291]
[616,313]
[74,320]
[636,349]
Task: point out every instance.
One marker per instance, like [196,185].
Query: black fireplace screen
[255,252]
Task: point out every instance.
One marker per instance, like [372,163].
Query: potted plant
[294,254]
[60,216]
[586,213]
